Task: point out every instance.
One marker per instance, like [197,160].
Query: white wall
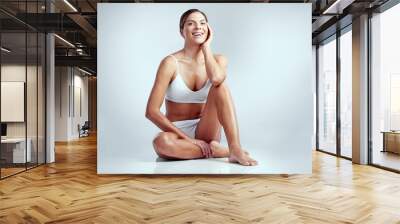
[12,73]
[269,73]
[68,82]
[15,72]
[79,117]
[61,103]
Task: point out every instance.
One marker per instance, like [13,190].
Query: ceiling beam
[84,24]
[84,61]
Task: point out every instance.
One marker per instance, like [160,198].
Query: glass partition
[32,95]
[22,78]
[32,82]
[13,109]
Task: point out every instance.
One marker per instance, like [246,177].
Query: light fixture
[65,41]
[5,50]
[70,5]
[79,51]
[84,71]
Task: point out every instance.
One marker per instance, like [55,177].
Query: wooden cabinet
[391,142]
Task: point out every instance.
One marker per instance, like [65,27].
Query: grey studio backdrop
[269,50]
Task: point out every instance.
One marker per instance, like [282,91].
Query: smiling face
[195,29]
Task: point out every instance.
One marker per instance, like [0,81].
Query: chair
[84,130]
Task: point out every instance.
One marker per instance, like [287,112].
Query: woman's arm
[164,75]
[215,65]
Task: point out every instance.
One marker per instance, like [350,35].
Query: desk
[15,148]
[391,141]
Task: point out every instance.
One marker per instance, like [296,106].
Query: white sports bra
[178,91]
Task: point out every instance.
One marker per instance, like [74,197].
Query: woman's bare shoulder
[168,62]
[170,59]
[176,55]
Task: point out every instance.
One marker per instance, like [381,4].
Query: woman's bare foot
[240,156]
[218,150]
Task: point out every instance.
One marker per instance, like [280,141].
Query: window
[385,88]
[346,94]
[327,97]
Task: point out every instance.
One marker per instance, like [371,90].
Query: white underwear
[187,126]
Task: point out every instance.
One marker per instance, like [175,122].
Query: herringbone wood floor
[70,191]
